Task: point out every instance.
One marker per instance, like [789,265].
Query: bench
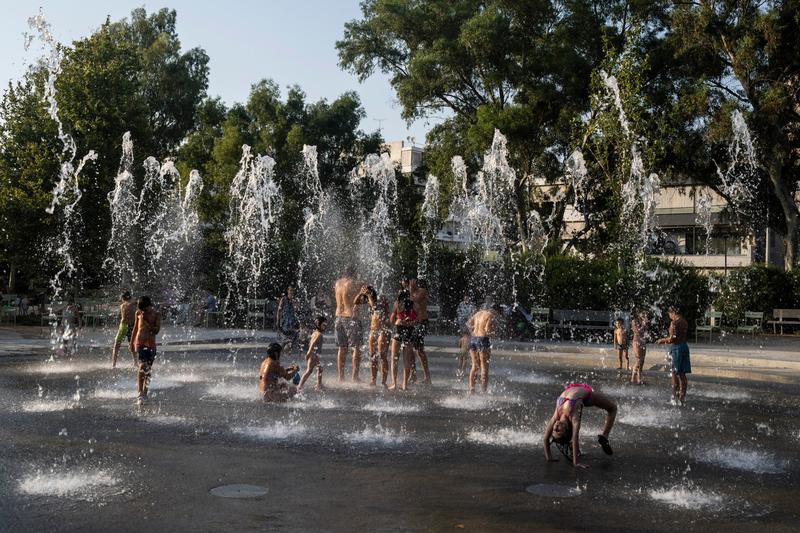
[784,317]
[578,319]
[434,315]
[208,316]
[751,323]
[711,321]
[256,312]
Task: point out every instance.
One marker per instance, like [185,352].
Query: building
[684,214]
[407,156]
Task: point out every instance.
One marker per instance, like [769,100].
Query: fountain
[374,184]
[640,191]
[122,201]
[430,207]
[256,203]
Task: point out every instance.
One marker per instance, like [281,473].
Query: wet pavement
[80,455]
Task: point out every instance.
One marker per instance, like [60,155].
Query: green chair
[711,322]
[751,323]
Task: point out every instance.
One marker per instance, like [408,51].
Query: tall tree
[744,54]
[127,76]
[523,67]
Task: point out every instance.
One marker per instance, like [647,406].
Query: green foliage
[521,67]
[756,288]
[127,76]
[725,55]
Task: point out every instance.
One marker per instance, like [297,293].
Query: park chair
[711,321]
[220,312]
[540,319]
[434,314]
[9,311]
[256,313]
[751,323]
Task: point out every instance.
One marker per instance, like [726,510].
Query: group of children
[638,343]
[141,323]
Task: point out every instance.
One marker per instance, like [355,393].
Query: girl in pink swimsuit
[564,426]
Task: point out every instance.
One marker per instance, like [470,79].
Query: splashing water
[272,431]
[376,177]
[255,207]
[322,245]
[122,203]
[736,458]
[640,191]
[688,497]
[376,436]
[505,437]
[80,483]
[40,25]
[430,205]
[382,406]
[703,217]
[737,180]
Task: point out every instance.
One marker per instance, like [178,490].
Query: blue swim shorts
[681,364]
[479,344]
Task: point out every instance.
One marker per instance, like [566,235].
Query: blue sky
[247,40]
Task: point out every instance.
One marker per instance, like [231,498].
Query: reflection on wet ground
[76,446]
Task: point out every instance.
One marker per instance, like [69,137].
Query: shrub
[755,288]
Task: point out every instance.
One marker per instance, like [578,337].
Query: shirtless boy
[146,326]
[312,357]
[127,314]
[482,324]
[347,330]
[419,295]
[271,373]
[380,334]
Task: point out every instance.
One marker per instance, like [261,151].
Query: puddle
[377,436]
[507,437]
[274,431]
[239,491]
[553,491]
[755,461]
[688,497]
[382,406]
[83,483]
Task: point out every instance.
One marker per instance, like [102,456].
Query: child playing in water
[146,325]
[127,315]
[403,317]
[271,374]
[639,342]
[678,337]
[380,334]
[565,424]
[312,356]
[621,343]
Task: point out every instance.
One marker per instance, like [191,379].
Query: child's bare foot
[392,387]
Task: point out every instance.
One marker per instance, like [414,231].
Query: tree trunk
[790,212]
[12,278]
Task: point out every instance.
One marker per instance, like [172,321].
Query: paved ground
[80,456]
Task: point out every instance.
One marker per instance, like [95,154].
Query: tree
[29,152]
[127,76]
[744,55]
[277,126]
[523,67]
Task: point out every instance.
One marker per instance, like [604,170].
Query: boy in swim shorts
[482,325]
[127,314]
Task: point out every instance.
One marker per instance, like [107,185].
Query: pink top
[562,399]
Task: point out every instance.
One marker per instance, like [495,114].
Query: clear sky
[246,40]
